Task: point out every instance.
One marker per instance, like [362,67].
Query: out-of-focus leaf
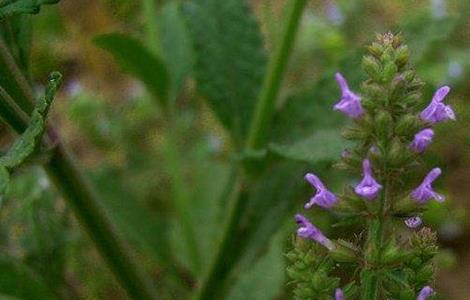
[264,280]
[4,181]
[140,62]
[230,59]
[175,45]
[16,280]
[149,231]
[10,8]
[323,145]
[28,142]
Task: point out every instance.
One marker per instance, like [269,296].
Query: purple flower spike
[424,192]
[422,140]
[425,293]
[339,295]
[437,111]
[368,187]
[310,232]
[413,222]
[323,197]
[350,103]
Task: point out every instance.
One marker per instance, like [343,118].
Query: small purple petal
[368,187]
[424,192]
[350,103]
[422,140]
[437,111]
[308,231]
[425,293]
[339,295]
[323,197]
[413,222]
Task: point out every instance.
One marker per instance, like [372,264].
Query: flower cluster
[391,129]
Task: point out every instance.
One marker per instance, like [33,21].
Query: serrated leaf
[134,58]
[323,145]
[17,280]
[10,8]
[230,59]
[28,142]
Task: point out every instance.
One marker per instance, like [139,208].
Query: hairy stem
[257,135]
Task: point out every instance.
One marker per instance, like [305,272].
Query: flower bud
[372,68]
[407,125]
[402,55]
[376,50]
[344,252]
[389,71]
[383,125]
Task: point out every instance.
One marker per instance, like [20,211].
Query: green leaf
[4,181]
[176,46]
[17,280]
[140,62]
[10,8]
[230,59]
[323,145]
[264,280]
[369,285]
[29,141]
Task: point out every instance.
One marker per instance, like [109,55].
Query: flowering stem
[273,79]
[81,197]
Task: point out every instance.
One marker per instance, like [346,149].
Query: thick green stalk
[213,283]
[85,204]
[149,9]
[257,135]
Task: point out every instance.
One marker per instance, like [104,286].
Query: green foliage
[31,138]
[10,8]
[230,60]
[137,60]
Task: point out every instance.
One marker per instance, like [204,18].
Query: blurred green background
[143,167]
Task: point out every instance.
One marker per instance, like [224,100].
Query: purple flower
[425,293]
[350,103]
[413,222]
[437,111]
[422,140]
[368,187]
[339,295]
[323,197]
[424,192]
[310,232]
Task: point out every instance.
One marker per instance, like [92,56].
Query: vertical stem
[213,283]
[272,82]
[94,219]
[181,197]
[149,9]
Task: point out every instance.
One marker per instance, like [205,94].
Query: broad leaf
[140,62]
[10,8]
[230,59]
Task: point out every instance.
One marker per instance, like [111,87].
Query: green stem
[272,82]
[149,9]
[182,201]
[226,257]
[214,281]
[86,205]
